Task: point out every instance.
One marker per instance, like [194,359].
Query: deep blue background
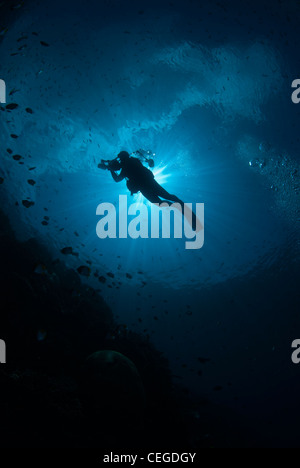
[207,87]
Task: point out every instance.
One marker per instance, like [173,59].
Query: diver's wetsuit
[141,179]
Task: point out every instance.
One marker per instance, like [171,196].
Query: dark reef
[51,323]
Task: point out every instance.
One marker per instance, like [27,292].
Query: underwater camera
[111,165]
[146,156]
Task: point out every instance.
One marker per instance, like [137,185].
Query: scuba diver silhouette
[139,178]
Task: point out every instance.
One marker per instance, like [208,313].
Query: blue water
[207,87]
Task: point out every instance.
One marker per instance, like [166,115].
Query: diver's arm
[117,177]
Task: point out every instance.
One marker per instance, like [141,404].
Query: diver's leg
[188,213]
[151,197]
[161,192]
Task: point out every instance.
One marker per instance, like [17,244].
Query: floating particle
[17,6]
[9,151]
[102,279]
[128,275]
[14,136]
[41,335]
[84,271]
[111,275]
[3,31]
[13,91]
[32,168]
[12,106]
[1,180]
[17,157]
[218,388]
[45,223]
[44,44]
[31,182]
[27,203]
[40,269]
[203,360]
[22,38]
[67,251]
[47,218]
[28,110]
